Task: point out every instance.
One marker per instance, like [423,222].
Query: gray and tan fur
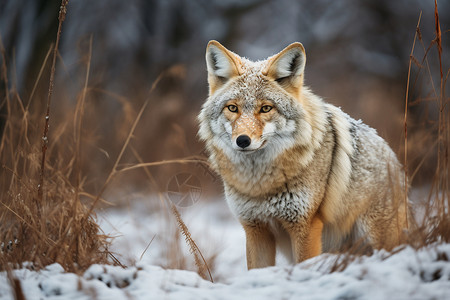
[298,173]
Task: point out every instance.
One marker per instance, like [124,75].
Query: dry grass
[42,217]
[200,261]
[434,227]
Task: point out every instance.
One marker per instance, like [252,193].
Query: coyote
[299,174]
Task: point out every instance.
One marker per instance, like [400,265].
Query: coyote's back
[298,172]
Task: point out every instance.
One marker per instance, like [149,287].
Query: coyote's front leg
[260,245]
[306,237]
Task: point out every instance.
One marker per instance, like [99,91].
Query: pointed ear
[222,65]
[287,67]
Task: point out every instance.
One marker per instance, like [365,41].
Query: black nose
[243,141]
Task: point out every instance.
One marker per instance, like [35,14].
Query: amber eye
[232,108]
[266,108]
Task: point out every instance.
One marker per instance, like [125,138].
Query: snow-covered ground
[408,274]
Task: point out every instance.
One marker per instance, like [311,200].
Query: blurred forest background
[357,58]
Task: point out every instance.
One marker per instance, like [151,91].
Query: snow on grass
[407,274]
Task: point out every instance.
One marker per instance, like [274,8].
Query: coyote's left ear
[287,67]
[222,65]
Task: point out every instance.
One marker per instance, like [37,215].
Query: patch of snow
[406,274]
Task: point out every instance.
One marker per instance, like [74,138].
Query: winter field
[404,274]
[82,157]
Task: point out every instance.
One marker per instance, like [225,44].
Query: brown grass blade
[405,120]
[198,256]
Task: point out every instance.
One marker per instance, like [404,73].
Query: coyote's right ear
[222,65]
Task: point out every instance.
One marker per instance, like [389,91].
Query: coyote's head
[254,107]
